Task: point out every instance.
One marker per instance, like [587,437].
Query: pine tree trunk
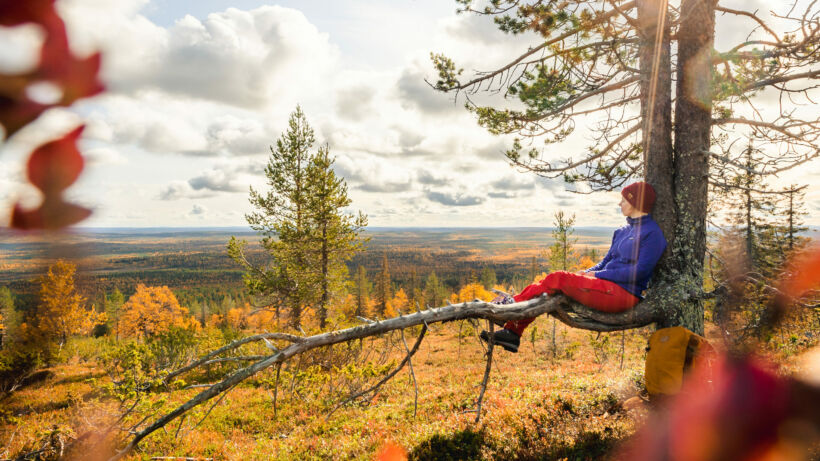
[656,113]
[693,126]
[325,295]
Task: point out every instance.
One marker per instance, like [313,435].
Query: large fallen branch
[564,309]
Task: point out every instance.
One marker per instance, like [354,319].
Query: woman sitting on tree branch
[613,285]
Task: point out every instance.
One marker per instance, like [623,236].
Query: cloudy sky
[198,90]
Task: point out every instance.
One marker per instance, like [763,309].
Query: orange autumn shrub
[151,311]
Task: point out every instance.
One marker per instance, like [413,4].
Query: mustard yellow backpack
[672,352]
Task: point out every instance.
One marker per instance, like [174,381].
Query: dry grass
[536,406]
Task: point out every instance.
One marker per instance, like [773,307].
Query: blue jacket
[635,250]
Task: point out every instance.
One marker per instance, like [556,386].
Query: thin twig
[276,387]
[490,345]
[412,374]
[386,378]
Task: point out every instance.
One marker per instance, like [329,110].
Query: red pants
[598,294]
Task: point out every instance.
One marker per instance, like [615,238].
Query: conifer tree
[534,269]
[412,295]
[612,67]
[488,277]
[794,210]
[333,235]
[383,291]
[112,306]
[559,253]
[282,220]
[304,229]
[751,213]
[362,291]
[433,290]
[9,317]
[562,247]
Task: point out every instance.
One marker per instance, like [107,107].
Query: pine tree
[334,236]
[412,295]
[281,219]
[590,63]
[488,277]
[362,293]
[433,290]
[383,289]
[112,307]
[562,246]
[751,213]
[559,255]
[794,210]
[534,269]
[303,226]
[9,317]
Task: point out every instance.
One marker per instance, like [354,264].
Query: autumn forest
[563,230]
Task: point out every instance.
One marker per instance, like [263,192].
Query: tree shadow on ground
[461,445]
[474,445]
[587,446]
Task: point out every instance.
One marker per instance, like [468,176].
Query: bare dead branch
[753,16]
[239,342]
[751,189]
[783,78]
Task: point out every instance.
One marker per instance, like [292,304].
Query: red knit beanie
[640,195]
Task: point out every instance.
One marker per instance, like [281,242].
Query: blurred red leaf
[391,452]
[77,78]
[54,166]
[16,12]
[16,109]
[734,410]
[805,270]
[51,215]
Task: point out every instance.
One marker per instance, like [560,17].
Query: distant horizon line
[248,229]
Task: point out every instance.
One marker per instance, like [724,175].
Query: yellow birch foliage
[473,291]
[215,321]
[61,311]
[399,303]
[153,310]
[237,317]
[584,262]
[261,319]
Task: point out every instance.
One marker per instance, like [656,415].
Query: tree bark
[693,124]
[656,113]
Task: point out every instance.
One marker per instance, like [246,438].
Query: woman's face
[626,208]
